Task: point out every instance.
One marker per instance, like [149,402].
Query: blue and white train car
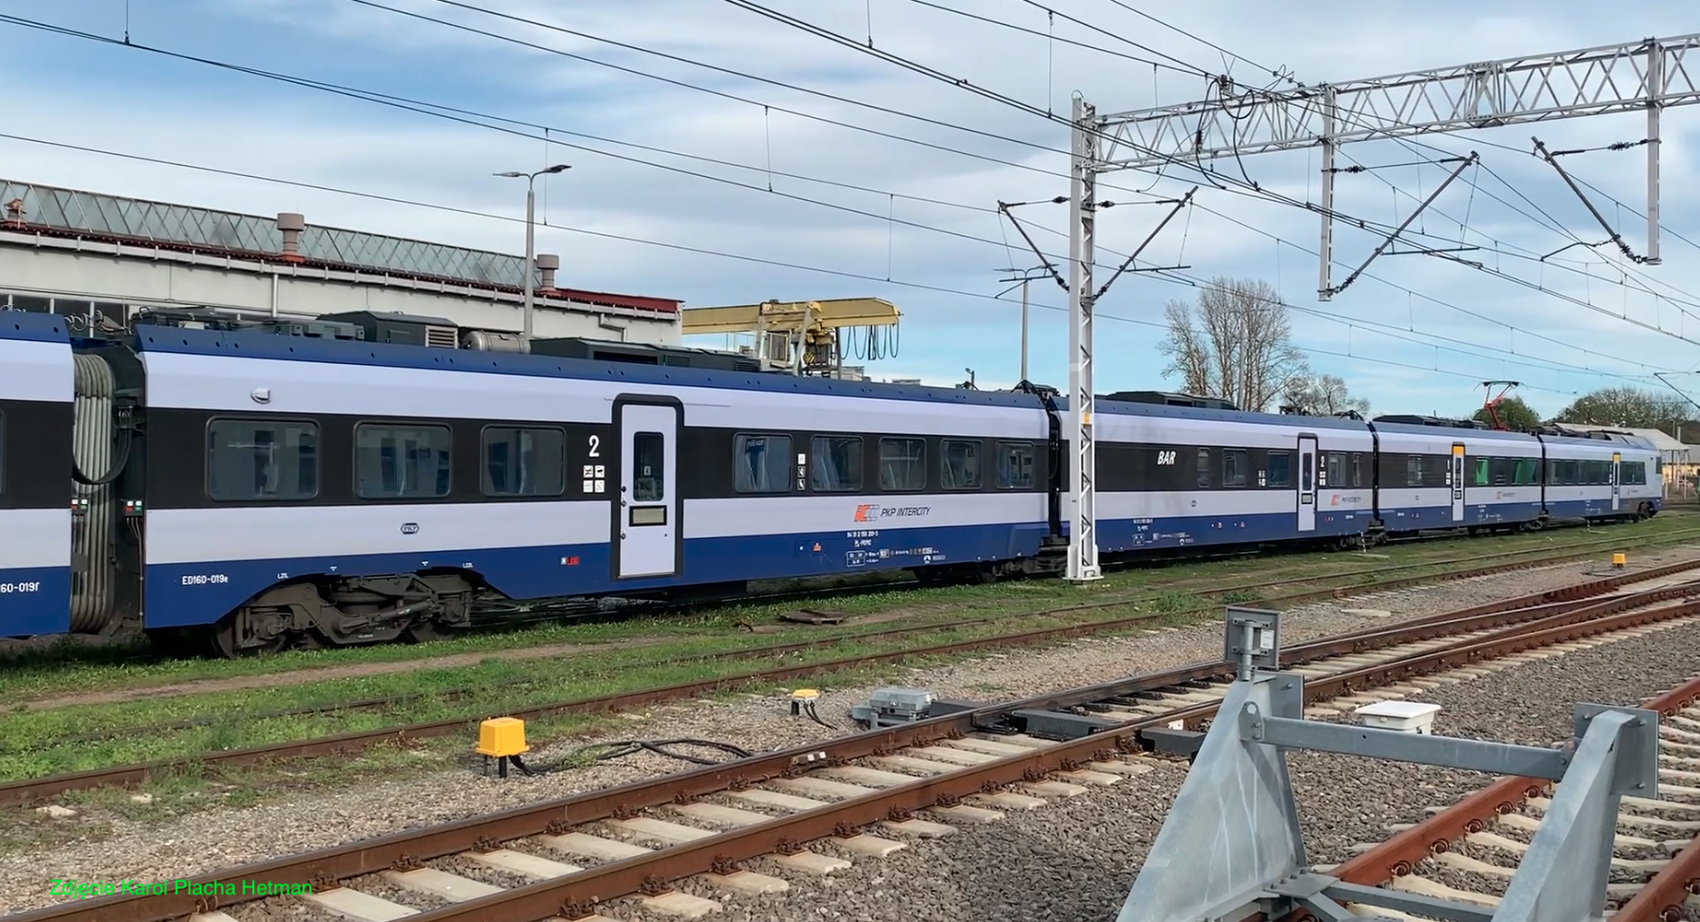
[1173,476]
[291,481]
[1585,477]
[35,462]
[1501,477]
[1417,466]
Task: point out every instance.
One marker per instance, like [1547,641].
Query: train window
[903,465]
[1357,469]
[1481,472]
[1204,468]
[1280,469]
[524,462]
[835,464]
[1334,469]
[1233,467]
[1413,470]
[1306,460]
[1015,465]
[401,461]
[761,463]
[649,467]
[959,464]
[1528,472]
[262,459]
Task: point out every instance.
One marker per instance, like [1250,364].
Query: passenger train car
[253,489]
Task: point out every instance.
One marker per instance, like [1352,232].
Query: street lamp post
[531,236]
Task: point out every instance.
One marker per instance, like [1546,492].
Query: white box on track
[1404,716]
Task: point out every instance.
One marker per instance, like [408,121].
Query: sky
[792,167]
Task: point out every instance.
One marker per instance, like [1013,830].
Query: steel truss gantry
[1652,75]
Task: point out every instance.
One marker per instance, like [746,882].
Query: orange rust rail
[1660,898]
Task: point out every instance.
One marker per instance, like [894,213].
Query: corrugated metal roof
[94,214]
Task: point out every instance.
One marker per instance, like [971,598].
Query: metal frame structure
[1231,845]
[1652,75]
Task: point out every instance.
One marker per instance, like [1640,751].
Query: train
[242,488]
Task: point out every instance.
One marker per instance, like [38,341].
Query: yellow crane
[804,336]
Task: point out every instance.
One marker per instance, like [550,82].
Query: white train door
[1457,478]
[1307,483]
[647,527]
[1616,470]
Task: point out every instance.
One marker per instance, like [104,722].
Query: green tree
[1513,414]
[1628,407]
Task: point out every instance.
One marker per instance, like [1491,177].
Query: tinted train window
[1280,469]
[903,464]
[835,464]
[1334,473]
[761,463]
[401,462]
[525,462]
[1481,470]
[1357,469]
[1527,472]
[1233,467]
[1015,465]
[253,459]
[1413,470]
[959,465]
[649,467]
[1204,468]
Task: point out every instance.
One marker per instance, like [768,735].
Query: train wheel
[221,640]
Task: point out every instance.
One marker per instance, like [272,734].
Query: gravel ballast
[1106,854]
[1075,860]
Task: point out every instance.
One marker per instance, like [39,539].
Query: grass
[71,664]
[36,743]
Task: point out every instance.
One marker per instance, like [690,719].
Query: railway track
[565,858]
[1520,608]
[1468,851]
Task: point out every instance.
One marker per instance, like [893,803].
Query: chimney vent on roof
[547,263]
[291,224]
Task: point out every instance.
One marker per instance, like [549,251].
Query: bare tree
[1236,343]
[1322,395]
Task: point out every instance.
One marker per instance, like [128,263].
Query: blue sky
[77,91]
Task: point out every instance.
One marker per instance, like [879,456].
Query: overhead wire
[468,117]
[695,250]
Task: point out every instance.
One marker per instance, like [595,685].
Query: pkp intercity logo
[874,512]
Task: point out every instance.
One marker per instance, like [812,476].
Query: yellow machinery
[806,337]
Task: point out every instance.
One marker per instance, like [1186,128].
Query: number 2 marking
[595,443]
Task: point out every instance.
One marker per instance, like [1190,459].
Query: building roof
[1662,442]
[110,218]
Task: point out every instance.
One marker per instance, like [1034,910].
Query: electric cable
[623,238]
[608,752]
[412,105]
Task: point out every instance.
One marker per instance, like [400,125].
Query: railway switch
[502,739]
[1232,844]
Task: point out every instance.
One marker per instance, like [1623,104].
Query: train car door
[1307,483]
[1616,469]
[648,532]
[1457,478]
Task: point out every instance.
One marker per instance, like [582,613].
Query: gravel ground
[1075,860]
[218,838]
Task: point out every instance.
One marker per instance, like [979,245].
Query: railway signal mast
[1651,75]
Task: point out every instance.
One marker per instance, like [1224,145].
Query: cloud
[1512,208]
